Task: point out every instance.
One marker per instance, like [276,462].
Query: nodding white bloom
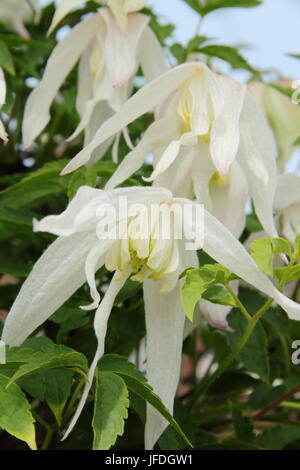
[95,230]
[3,134]
[208,129]
[15,13]
[287,205]
[283,116]
[110,44]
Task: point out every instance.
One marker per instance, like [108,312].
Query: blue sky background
[269,31]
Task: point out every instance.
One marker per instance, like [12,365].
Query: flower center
[148,247]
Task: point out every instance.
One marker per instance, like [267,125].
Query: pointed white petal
[221,245]
[145,99]
[100,325]
[59,65]
[80,214]
[225,130]
[151,54]
[95,258]
[171,153]
[65,6]
[54,278]
[120,46]
[287,191]
[2,88]
[156,136]
[229,199]
[3,133]
[257,158]
[164,326]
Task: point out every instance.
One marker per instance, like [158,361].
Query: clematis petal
[145,99]
[287,191]
[65,6]
[171,153]
[221,245]
[59,65]
[156,136]
[77,217]
[92,261]
[54,278]
[100,325]
[120,46]
[3,133]
[257,158]
[151,55]
[225,133]
[164,326]
[229,199]
[2,88]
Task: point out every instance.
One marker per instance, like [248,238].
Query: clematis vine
[287,205]
[283,116]
[95,230]
[209,140]
[3,134]
[111,44]
[15,13]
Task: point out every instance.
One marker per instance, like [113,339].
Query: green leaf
[82,177]
[279,437]
[253,224]
[242,425]
[15,414]
[198,280]
[230,55]
[51,357]
[254,355]
[110,409]
[136,382]
[297,142]
[120,365]
[211,5]
[52,386]
[12,266]
[293,272]
[195,285]
[297,245]
[6,60]
[296,56]
[36,186]
[219,295]
[179,52]
[264,250]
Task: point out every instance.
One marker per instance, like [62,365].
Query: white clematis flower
[3,134]
[15,13]
[110,44]
[283,116]
[205,123]
[91,235]
[287,205]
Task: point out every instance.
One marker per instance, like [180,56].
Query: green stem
[290,404]
[234,354]
[239,303]
[70,409]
